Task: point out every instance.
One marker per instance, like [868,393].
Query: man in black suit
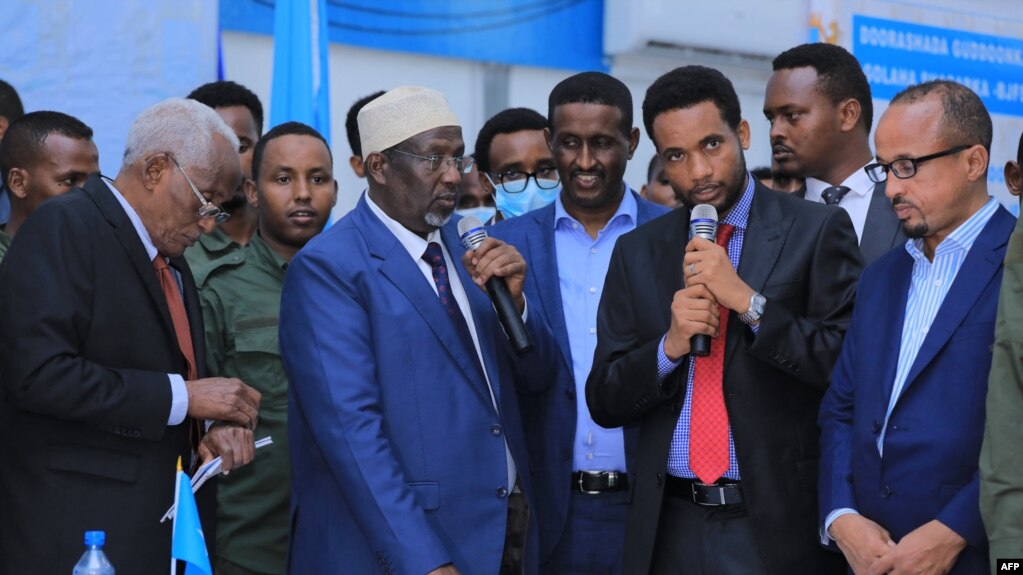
[725,480]
[101,352]
[818,103]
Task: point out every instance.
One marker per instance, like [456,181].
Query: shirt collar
[264,252]
[738,215]
[961,238]
[413,244]
[136,221]
[858,182]
[627,210]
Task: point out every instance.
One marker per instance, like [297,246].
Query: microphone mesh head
[704,212]
[471,232]
[703,221]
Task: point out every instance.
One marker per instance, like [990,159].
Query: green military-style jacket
[210,247]
[1001,457]
[241,295]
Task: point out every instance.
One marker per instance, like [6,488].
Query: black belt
[723,492]
[594,482]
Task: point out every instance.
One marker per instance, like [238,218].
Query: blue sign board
[896,54]
[566,34]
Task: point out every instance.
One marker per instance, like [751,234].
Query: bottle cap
[95,537]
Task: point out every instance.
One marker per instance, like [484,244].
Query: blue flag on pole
[188,543]
[301,89]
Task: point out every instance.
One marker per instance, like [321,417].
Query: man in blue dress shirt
[582,467]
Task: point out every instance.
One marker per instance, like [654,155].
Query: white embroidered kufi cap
[400,114]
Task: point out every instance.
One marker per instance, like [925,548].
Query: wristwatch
[756,309]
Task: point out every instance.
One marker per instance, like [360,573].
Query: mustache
[597,172]
[900,200]
[777,146]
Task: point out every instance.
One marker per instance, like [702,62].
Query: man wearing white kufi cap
[408,454]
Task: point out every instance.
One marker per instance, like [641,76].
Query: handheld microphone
[472,233]
[703,222]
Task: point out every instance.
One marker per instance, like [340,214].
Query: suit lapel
[668,276]
[124,231]
[882,229]
[397,266]
[766,230]
[893,300]
[979,269]
[543,250]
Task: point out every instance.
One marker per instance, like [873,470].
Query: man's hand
[496,258]
[707,263]
[930,549]
[235,446]
[693,310]
[223,399]
[861,540]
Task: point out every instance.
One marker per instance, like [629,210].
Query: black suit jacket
[86,343]
[882,229]
[803,258]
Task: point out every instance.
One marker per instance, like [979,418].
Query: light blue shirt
[678,454]
[179,393]
[582,266]
[930,283]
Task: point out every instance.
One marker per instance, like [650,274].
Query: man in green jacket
[1001,457]
[293,190]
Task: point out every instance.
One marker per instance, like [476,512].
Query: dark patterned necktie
[435,257]
[834,194]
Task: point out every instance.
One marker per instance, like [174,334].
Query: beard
[731,195]
[437,220]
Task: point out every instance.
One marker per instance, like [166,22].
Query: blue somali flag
[300,89]
[188,543]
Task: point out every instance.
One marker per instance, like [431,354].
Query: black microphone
[703,222]
[472,233]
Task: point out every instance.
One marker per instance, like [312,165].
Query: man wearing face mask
[582,468]
[515,164]
[473,200]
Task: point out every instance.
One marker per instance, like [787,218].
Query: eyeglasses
[905,168]
[462,163]
[514,182]
[207,209]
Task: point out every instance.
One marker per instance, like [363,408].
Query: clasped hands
[930,549]
[234,408]
[710,282]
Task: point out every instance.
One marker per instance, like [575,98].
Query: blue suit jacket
[398,456]
[550,419]
[932,445]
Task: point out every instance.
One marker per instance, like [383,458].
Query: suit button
[876,426]
[502,492]
[495,430]
[570,393]
[886,492]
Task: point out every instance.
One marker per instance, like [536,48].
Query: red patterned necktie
[182,332]
[708,424]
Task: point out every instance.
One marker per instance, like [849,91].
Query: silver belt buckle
[715,489]
[612,480]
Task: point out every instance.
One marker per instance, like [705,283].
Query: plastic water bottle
[94,561]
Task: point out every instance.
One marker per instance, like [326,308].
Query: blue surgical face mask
[484,213]
[529,199]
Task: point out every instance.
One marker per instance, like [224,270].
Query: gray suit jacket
[882,231]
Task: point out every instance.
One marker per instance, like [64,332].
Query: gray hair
[179,127]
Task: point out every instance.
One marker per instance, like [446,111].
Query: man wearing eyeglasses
[515,162]
[102,356]
[582,467]
[406,441]
[901,426]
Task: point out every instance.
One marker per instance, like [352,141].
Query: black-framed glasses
[515,181]
[207,209]
[461,163]
[905,168]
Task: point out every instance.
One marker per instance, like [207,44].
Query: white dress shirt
[856,201]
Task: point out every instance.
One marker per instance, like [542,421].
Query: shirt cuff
[664,365]
[825,535]
[179,399]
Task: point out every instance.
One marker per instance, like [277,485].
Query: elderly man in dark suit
[101,352]
[725,480]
